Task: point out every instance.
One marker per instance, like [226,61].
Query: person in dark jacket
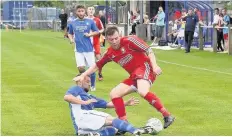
[63,18]
[191,22]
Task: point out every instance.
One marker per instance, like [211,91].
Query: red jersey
[198,13]
[130,55]
[96,38]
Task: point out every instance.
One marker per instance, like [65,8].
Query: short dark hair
[80,7]
[111,30]
[217,9]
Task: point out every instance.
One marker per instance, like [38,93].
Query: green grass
[38,67]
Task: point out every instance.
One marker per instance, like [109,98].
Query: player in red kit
[96,39]
[136,57]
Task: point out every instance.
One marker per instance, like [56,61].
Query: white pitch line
[198,68]
[167,62]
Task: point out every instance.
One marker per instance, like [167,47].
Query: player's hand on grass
[132,101]
[157,70]
[78,78]
[90,101]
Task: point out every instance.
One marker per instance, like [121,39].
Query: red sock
[119,108]
[155,102]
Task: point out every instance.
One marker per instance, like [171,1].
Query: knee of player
[142,93]
[114,93]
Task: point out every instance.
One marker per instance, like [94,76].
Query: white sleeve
[215,19]
[137,18]
[175,27]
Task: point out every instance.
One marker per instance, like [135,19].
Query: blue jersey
[226,19]
[78,27]
[76,109]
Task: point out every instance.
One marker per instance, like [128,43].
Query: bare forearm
[94,33]
[70,37]
[91,70]
[101,31]
[152,58]
[111,105]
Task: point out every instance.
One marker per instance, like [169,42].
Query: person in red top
[96,39]
[138,59]
[198,13]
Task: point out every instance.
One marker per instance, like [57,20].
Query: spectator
[177,14]
[71,18]
[135,22]
[226,22]
[146,19]
[181,27]
[132,17]
[191,21]
[174,32]
[64,17]
[160,17]
[198,13]
[217,21]
[103,20]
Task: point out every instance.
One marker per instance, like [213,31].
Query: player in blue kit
[80,31]
[88,121]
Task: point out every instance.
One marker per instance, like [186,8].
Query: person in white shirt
[135,22]
[218,23]
[174,32]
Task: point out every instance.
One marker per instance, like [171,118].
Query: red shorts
[143,72]
[225,36]
[97,49]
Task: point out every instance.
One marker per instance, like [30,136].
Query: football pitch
[38,67]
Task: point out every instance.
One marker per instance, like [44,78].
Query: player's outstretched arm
[88,72]
[131,102]
[71,99]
